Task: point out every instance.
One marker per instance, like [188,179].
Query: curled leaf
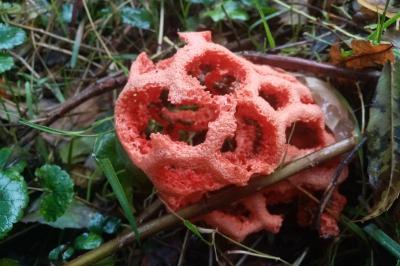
[363,54]
[383,133]
[379,7]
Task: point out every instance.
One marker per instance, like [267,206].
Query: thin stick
[150,210]
[183,249]
[332,185]
[95,31]
[319,69]
[316,20]
[68,52]
[103,85]
[216,201]
[55,36]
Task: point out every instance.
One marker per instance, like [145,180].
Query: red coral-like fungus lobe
[205,118]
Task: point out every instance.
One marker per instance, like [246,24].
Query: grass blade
[383,239]
[112,178]
[77,44]
[55,131]
[29,100]
[270,38]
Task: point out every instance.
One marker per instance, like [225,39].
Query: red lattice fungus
[206,118]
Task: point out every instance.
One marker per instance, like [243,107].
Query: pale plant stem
[360,96]
[55,36]
[315,20]
[65,51]
[161,27]
[95,31]
[183,249]
[216,201]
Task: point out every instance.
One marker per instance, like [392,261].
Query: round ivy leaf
[59,191]
[13,199]
[136,17]
[10,36]
[88,241]
[6,63]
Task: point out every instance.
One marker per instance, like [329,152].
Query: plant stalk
[216,201]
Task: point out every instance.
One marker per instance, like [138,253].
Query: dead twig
[75,11]
[216,201]
[101,86]
[319,69]
[150,210]
[329,190]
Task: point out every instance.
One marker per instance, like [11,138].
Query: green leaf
[9,262]
[5,153]
[9,8]
[227,10]
[77,216]
[383,134]
[13,199]
[59,191]
[54,254]
[10,36]
[112,178]
[136,17]
[235,11]
[88,241]
[76,150]
[96,223]
[101,224]
[18,167]
[61,252]
[68,253]
[107,146]
[6,62]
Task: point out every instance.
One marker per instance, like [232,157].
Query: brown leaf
[379,7]
[365,54]
[335,54]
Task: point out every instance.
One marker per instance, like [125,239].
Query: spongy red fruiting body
[222,120]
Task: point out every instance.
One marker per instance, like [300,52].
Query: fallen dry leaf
[364,54]
[379,6]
